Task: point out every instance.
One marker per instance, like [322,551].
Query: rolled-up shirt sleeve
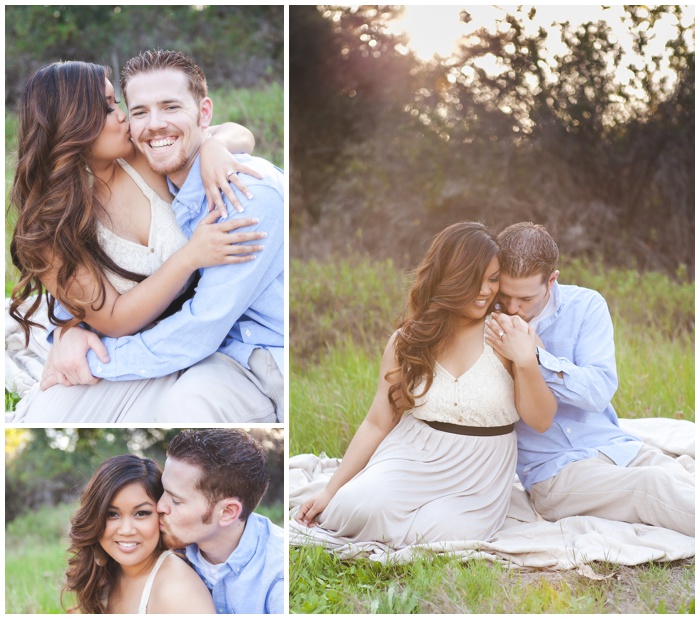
[586,377]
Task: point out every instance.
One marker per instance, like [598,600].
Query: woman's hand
[219,168]
[513,338]
[213,243]
[311,508]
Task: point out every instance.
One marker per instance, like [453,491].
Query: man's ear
[230,511]
[552,279]
[206,112]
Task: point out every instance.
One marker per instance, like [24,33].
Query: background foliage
[386,150]
[47,467]
[236,46]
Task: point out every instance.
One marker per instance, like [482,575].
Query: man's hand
[67,363]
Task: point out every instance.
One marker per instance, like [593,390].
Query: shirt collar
[247,545]
[549,314]
[245,550]
[192,193]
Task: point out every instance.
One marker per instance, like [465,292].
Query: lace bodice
[482,396]
[164,238]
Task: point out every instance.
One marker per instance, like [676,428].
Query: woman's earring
[100,556]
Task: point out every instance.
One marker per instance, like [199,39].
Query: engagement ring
[231,172]
[501,334]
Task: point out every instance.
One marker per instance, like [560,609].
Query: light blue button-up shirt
[579,343]
[236,307]
[254,578]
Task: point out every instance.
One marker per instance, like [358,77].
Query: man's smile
[162,142]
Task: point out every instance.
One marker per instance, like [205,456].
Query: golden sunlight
[434,31]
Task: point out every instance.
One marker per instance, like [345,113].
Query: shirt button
[248,333]
[99,369]
[152,249]
[568,430]
[142,372]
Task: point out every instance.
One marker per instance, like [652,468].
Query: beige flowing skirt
[424,486]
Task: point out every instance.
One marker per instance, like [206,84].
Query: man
[584,464]
[212,482]
[231,333]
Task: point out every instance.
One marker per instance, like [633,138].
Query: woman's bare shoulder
[154,180]
[178,589]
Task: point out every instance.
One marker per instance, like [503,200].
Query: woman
[119,563]
[93,219]
[434,459]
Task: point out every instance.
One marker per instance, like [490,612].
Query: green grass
[330,399]
[262,111]
[273,512]
[36,558]
[321,583]
[353,304]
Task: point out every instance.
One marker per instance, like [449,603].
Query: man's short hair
[158,59]
[527,249]
[232,464]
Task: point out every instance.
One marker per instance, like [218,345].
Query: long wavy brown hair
[61,113]
[84,577]
[448,278]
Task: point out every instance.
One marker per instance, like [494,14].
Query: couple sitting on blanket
[465,400]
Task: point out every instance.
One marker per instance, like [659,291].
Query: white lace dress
[164,238]
[424,485]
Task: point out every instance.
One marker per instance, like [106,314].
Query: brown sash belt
[454,428]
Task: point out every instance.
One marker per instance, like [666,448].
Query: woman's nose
[126,526]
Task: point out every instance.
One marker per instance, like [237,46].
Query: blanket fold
[526,541]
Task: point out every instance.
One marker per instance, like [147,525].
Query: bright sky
[436,29]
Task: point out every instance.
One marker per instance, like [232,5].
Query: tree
[504,130]
[237,46]
[51,466]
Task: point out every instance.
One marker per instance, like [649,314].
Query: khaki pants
[215,390]
[220,390]
[129,401]
[653,489]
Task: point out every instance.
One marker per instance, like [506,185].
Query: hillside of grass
[341,314]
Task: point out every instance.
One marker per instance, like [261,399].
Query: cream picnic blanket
[24,364]
[525,541]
